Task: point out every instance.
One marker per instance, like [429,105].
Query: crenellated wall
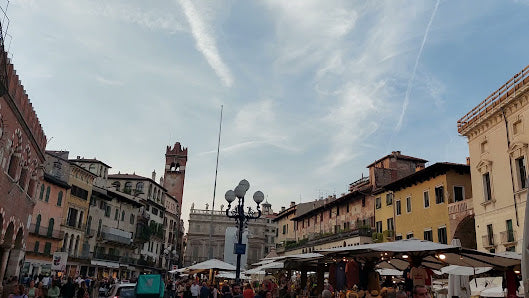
[25,107]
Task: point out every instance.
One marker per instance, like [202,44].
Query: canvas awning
[462,270]
[212,264]
[397,254]
[105,264]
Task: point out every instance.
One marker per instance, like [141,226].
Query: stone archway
[8,236]
[16,255]
[466,232]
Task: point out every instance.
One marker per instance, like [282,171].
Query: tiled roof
[398,156]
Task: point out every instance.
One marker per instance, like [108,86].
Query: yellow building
[384,216]
[75,213]
[422,206]
[498,148]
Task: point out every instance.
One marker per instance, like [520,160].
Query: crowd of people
[284,288]
[44,286]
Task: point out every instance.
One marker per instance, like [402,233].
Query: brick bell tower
[175,171]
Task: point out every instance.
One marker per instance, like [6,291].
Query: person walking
[54,291]
[32,291]
[68,290]
[204,291]
[18,292]
[248,292]
[195,289]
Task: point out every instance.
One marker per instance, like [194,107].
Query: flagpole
[210,255]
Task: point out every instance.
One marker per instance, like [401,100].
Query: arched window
[65,242]
[139,187]
[50,227]
[116,185]
[31,187]
[175,167]
[76,246]
[128,187]
[150,191]
[37,224]
[123,215]
[99,228]
[59,198]
[47,198]
[22,179]
[88,224]
[41,192]
[70,245]
[13,165]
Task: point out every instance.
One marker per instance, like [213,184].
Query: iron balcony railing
[488,240]
[497,97]
[107,257]
[46,232]
[508,236]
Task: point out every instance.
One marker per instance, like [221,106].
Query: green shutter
[59,199]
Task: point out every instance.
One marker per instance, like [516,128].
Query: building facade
[427,205]
[150,234]
[45,234]
[498,147]
[260,235]
[22,145]
[349,219]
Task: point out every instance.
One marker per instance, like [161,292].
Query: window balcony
[116,236]
[45,232]
[488,241]
[508,237]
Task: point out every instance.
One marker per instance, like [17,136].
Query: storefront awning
[105,264]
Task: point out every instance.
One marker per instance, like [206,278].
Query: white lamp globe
[230,196]
[245,184]
[240,191]
[258,197]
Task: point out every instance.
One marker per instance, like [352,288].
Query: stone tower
[175,170]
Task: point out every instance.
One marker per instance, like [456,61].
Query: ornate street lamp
[241,217]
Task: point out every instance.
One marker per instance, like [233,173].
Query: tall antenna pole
[215,188]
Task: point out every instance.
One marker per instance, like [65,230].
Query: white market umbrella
[387,271]
[212,264]
[462,270]
[230,275]
[458,286]
[493,292]
[273,265]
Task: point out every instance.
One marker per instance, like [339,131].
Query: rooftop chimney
[292,204]
[419,167]
[78,157]
[468,161]
[282,209]
[395,153]
[154,175]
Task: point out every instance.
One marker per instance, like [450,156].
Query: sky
[313,91]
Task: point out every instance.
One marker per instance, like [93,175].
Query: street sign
[239,249]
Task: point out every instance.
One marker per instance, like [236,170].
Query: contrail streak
[412,78]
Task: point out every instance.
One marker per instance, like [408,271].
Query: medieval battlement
[176,150]
[20,97]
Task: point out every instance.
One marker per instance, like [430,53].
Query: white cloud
[358,55]
[205,42]
[412,77]
[110,82]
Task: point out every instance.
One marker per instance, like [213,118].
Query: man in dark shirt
[68,290]
[204,291]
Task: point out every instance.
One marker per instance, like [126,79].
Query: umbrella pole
[211,276]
